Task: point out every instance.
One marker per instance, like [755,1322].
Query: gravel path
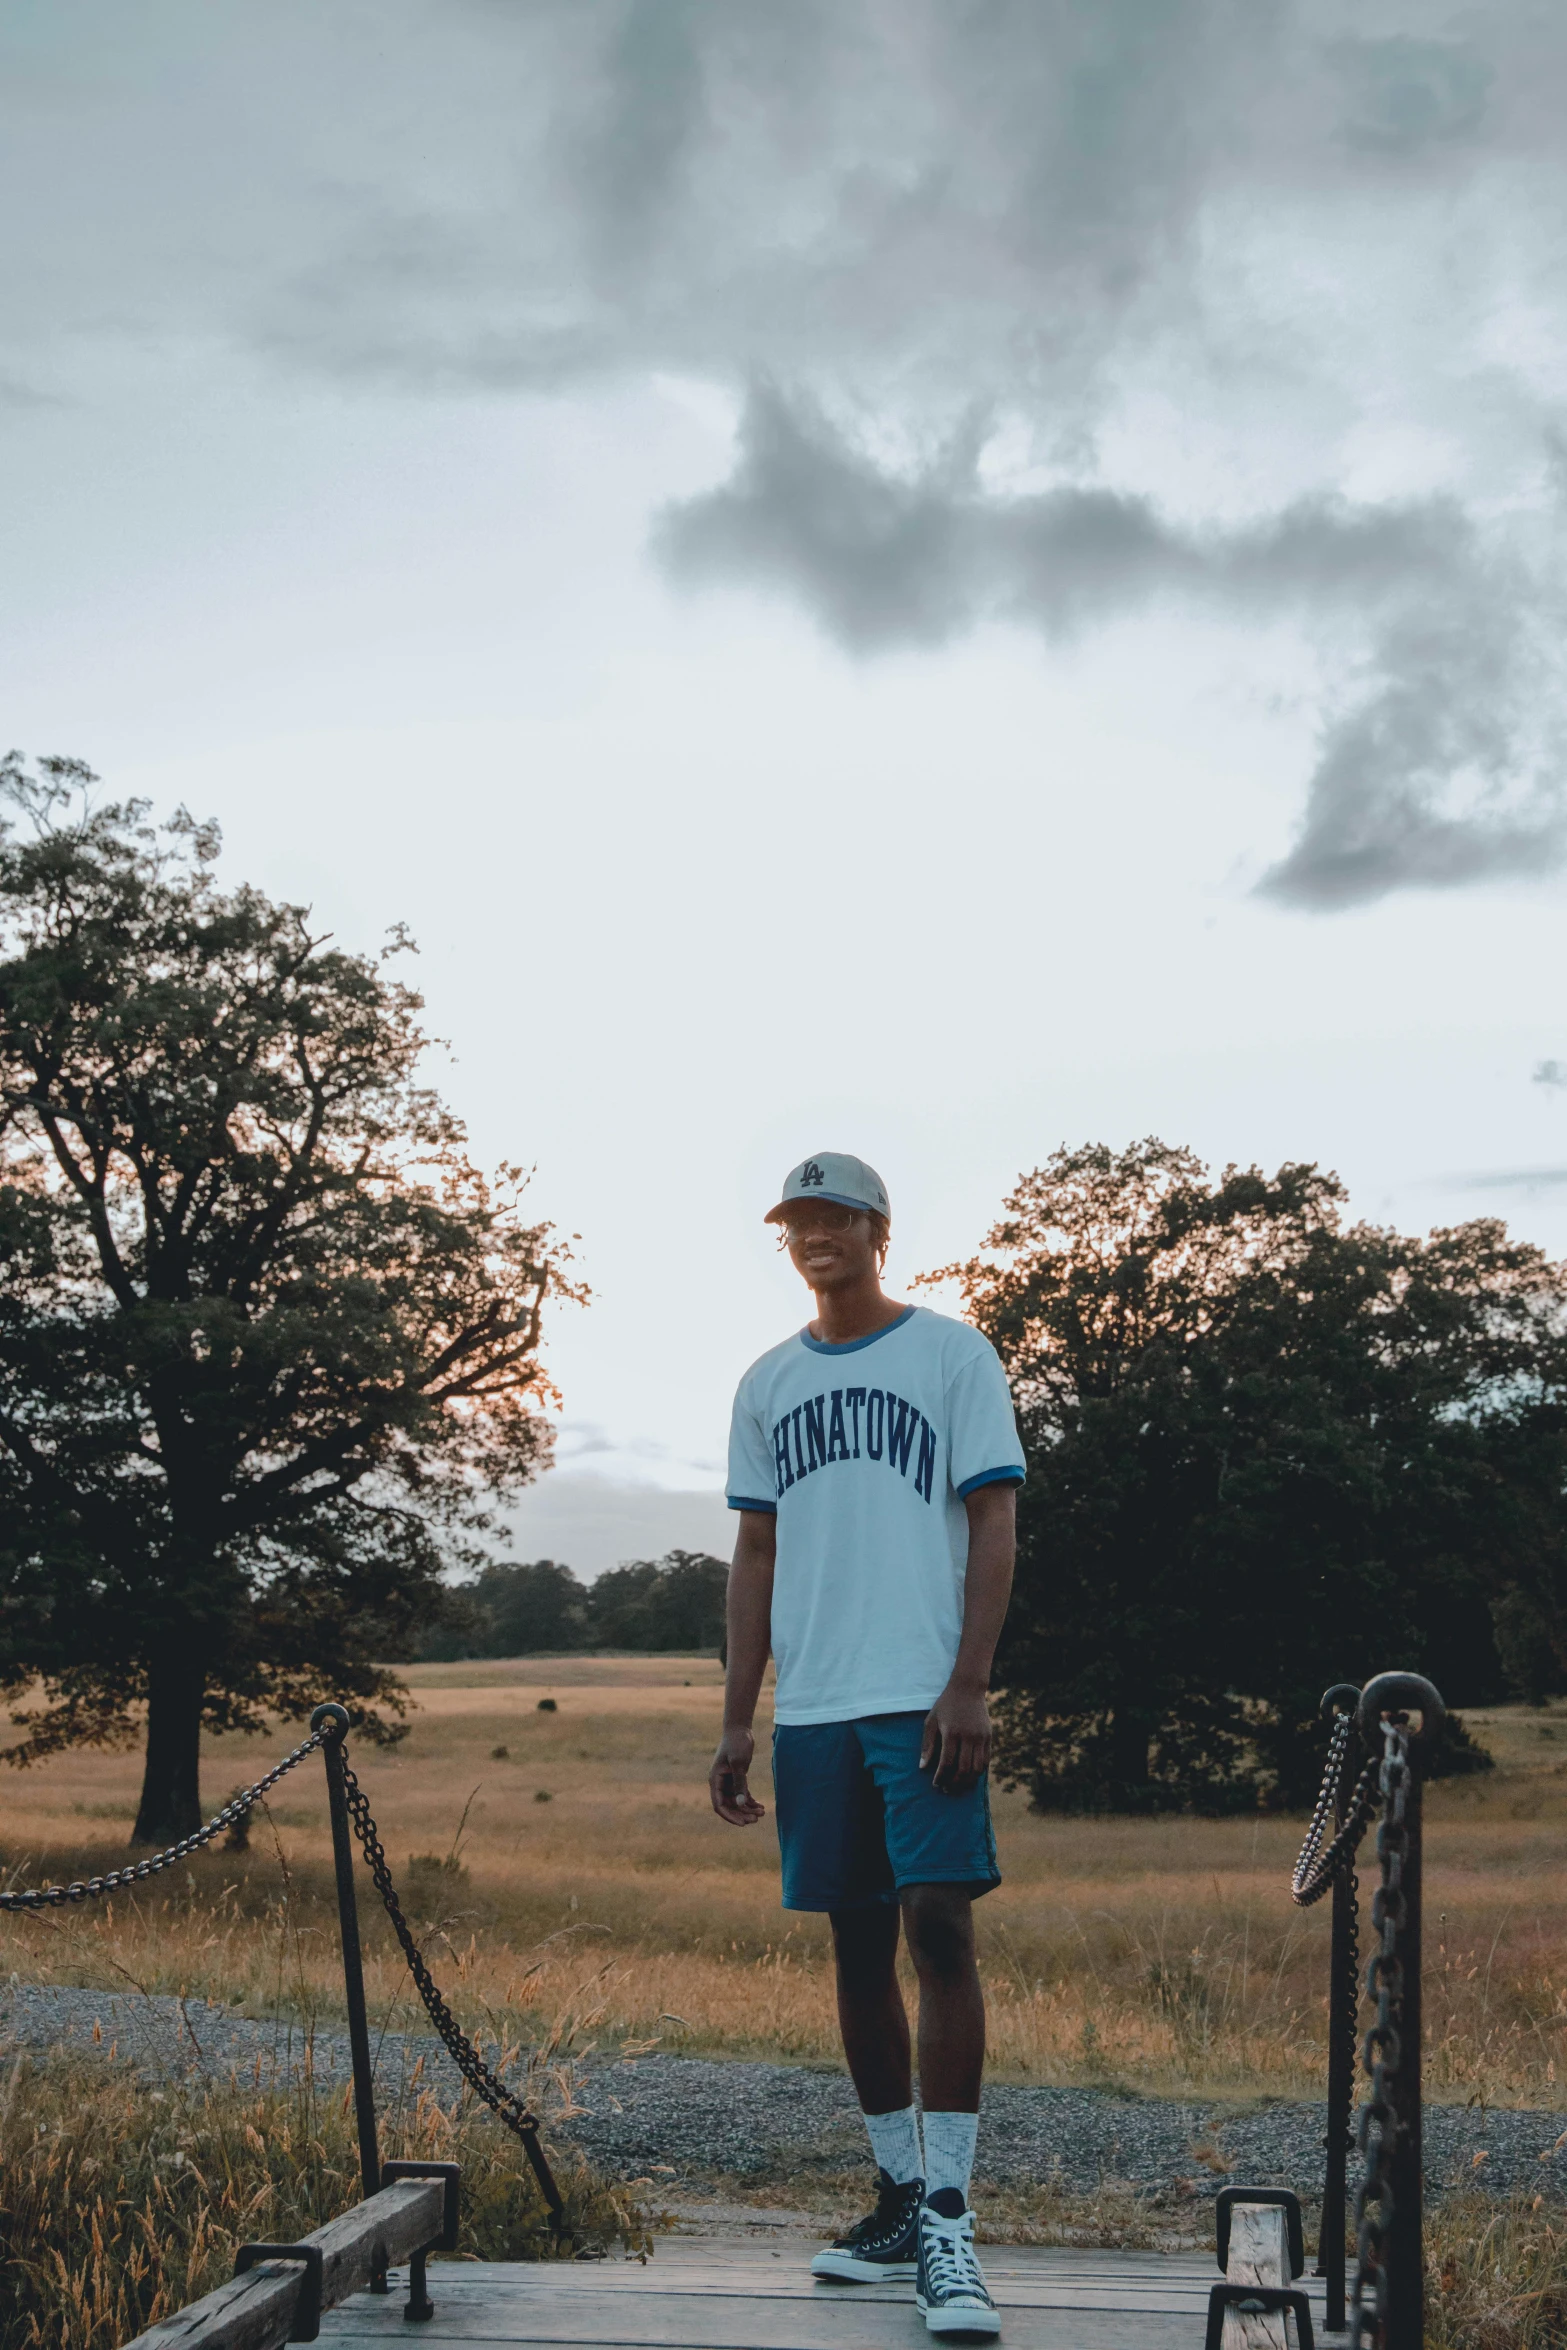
[755,2118]
[702,2117]
[167,2039]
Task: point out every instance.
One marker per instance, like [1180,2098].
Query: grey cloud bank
[1452,677]
[931,199]
[917,231]
[888,559]
[1518,1179]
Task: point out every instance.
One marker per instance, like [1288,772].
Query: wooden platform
[697,2294]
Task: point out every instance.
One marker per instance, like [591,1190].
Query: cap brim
[839,1199]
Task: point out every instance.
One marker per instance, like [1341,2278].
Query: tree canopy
[1267,1450]
[672,1603]
[269,1341]
[514,1607]
[648,1605]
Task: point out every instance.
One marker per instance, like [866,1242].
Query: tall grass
[120,2203]
[1156,1955]
[1496,2274]
[620,1917]
[1159,1993]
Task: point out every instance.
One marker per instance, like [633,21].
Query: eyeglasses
[820,1216]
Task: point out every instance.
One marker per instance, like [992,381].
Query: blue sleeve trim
[990,1477]
[744,1501]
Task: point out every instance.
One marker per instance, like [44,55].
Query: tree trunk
[171,1782]
[1131,1735]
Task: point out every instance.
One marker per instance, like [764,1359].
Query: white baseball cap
[836,1175]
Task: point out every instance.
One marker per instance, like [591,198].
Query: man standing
[874,1460]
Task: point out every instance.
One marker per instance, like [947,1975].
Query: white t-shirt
[865,1454]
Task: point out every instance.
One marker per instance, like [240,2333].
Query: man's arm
[957,1728]
[750,1614]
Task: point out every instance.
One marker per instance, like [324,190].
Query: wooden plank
[255,2311]
[477,2327]
[767,2269]
[758,2268]
[666,2313]
[731,2296]
[577,2322]
[679,2255]
[547,2289]
[252,2312]
[791,2273]
[360,2321]
[1258,2255]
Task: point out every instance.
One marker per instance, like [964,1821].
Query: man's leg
[939,1922]
[871,2014]
[875,2031]
[949,2284]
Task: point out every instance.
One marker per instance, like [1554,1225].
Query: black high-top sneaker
[950,2286]
[881,2245]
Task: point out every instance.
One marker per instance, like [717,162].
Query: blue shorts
[858,1820]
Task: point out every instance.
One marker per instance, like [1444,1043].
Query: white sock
[895,2142]
[949,2151]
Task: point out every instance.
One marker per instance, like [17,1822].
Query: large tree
[269,1342]
[517,1607]
[670,1603]
[1267,1450]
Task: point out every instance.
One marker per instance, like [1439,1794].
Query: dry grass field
[575,1886]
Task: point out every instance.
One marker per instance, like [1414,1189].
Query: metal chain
[1332,1773]
[485,2084]
[1316,1868]
[1347,1988]
[1383,2050]
[89,1888]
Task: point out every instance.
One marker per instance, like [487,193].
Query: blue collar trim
[852,1346]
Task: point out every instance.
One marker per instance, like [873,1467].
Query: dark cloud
[930,192]
[931,216]
[886,556]
[653,116]
[998,198]
[1437,773]
[15,394]
[1439,776]
[1516,1179]
[1403,94]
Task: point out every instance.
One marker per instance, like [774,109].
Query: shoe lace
[885,2220]
[949,2254]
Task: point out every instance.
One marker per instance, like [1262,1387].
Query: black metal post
[1341,2089]
[1406,2261]
[1402,1693]
[1343,2002]
[333,1720]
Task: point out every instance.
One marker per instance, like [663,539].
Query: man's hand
[957,1728]
[727,1781]
[957,1740]
[749,1620]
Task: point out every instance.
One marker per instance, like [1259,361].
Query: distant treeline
[676,1602]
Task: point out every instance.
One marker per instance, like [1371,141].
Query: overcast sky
[930,578]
